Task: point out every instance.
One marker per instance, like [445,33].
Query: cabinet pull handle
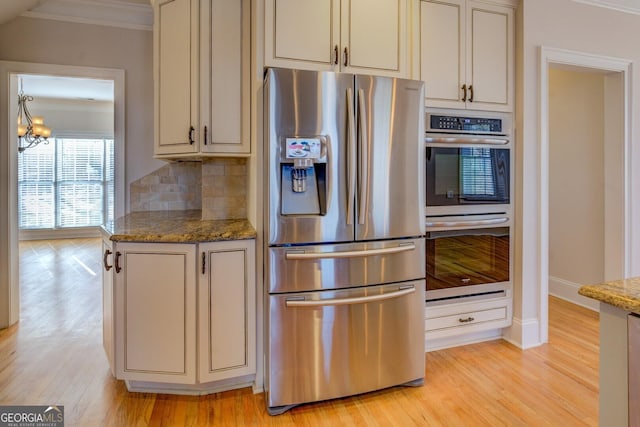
[204,262]
[470,93]
[346,57]
[464,93]
[116,262]
[336,54]
[104,260]
[205,135]
[467,320]
[191,130]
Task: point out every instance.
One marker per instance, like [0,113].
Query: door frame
[561,57]
[9,254]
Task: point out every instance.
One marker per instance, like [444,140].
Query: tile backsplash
[216,186]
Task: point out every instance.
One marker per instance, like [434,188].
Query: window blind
[66,183]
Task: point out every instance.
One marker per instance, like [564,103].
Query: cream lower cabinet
[355,36]
[467,53]
[155,299]
[226,315]
[183,315]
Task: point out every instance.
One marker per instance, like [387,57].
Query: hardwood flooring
[54,356]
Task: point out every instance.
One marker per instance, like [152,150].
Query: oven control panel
[465,124]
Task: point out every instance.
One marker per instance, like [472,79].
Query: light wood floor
[54,356]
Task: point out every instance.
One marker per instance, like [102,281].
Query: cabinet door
[442,58]
[155,312]
[227,310]
[490,56]
[302,34]
[225,54]
[374,34]
[107,303]
[175,35]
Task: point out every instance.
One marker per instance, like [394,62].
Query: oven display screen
[468,124]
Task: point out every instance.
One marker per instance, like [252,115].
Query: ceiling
[134,14]
[66,87]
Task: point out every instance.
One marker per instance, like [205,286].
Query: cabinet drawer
[469,318]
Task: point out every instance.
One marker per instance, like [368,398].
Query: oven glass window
[467,257]
[467,175]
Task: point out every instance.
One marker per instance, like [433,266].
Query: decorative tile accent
[175,186]
[224,189]
[218,187]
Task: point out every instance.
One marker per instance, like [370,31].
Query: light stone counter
[624,294]
[176,227]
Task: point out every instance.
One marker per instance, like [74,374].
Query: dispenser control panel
[303,148]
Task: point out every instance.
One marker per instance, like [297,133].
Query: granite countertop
[624,294]
[176,227]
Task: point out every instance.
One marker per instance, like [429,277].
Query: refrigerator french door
[344,234]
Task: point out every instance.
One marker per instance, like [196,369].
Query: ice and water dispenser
[303,169]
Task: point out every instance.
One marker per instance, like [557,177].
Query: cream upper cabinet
[175,57]
[357,36]
[466,54]
[225,66]
[201,78]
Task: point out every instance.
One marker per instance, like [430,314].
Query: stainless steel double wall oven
[468,157]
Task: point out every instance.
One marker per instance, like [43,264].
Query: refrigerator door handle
[301,255]
[295,302]
[351,171]
[364,159]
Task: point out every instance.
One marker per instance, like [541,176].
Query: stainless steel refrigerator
[344,235]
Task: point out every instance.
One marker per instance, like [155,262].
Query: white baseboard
[523,333]
[568,291]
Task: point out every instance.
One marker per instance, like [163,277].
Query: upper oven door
[467,175]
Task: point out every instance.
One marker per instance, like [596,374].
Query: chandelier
[31,129]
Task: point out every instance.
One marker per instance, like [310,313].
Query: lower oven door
[467,261]
[329,344]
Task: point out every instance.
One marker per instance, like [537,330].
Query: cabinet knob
[470,93]
[467,320]
[464,93]
[346,56]
[205,135]
[104,260]
[335,55]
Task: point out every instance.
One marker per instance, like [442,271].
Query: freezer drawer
[346,265]
[324,345]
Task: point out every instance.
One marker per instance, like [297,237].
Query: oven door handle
[348,301]
[458,140]
[298,255]
[491,221]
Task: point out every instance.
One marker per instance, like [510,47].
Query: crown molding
[626,6]
[113,13]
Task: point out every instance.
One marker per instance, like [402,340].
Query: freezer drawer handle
[350,254]
[349,301]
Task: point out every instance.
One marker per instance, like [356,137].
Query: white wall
[65,43]
[579,27]
[576,180]
[66,116]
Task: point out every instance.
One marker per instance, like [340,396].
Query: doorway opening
[9,223]
[584,174]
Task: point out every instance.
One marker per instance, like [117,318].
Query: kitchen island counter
[619,382]
[624,293]
[176,227]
